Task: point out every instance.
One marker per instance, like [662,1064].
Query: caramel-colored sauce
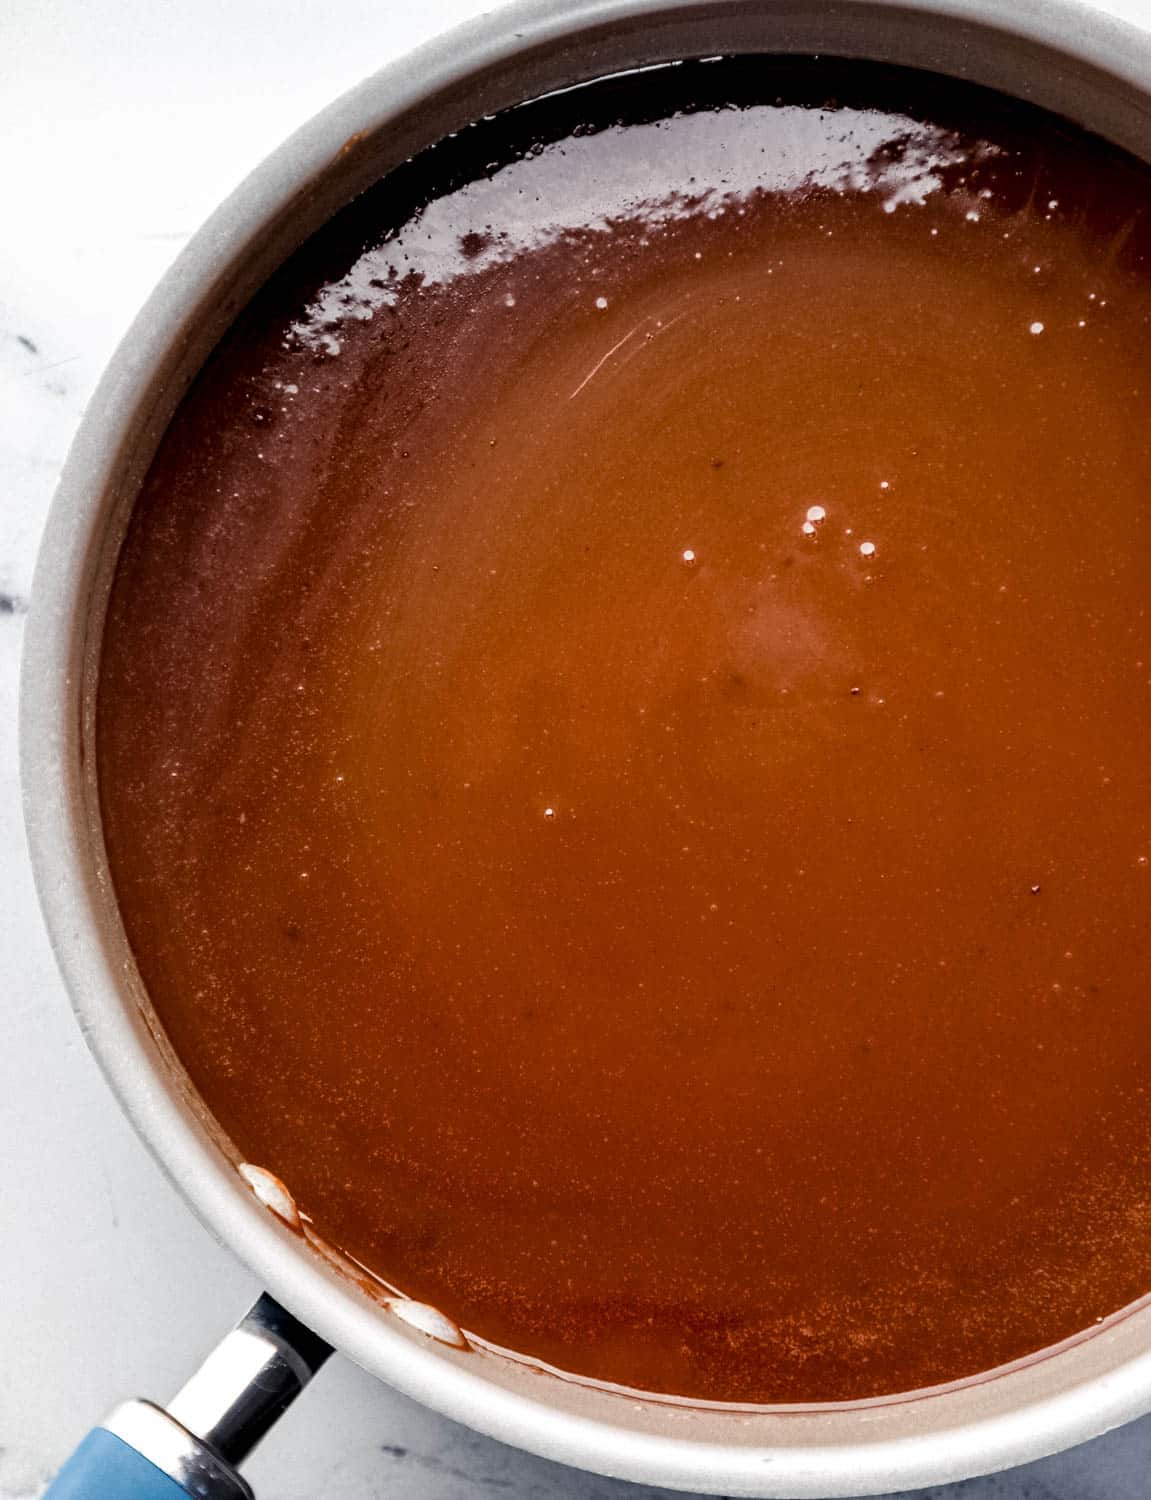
[623,732]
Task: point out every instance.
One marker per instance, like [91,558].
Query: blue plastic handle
[104,1467]
[146,1452]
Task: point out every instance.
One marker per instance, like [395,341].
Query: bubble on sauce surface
[271,1192]
[428,1320]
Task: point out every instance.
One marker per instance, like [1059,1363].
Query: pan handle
[143,1452]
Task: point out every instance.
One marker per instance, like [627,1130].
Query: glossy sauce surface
[623,732]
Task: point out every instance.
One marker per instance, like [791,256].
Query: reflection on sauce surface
[623,732]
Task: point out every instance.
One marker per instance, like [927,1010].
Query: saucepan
[1059,54]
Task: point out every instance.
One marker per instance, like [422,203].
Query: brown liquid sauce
[623,731]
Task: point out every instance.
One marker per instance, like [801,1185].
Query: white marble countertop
[124,122]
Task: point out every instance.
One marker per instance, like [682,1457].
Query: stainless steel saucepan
[1059,54]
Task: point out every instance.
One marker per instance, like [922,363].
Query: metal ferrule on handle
[143,1452]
